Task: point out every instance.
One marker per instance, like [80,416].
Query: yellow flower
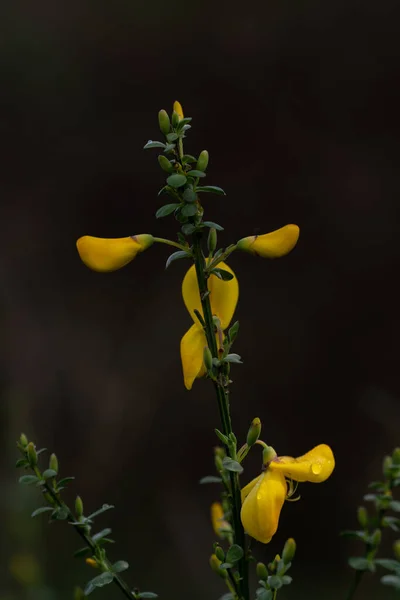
[271,245]
[218,521]
[263,497]
[178,109]
[223,298]
[104,254]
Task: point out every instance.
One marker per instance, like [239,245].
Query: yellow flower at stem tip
[178,109]
[110,254]
[271,245]
[263,498]
[218,521]
[223,299]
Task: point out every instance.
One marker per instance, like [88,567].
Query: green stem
[354,585]
[171,243]
[223,406]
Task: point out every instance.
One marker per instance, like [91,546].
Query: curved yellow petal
[192,350]
[271,245]
[178,109]
[315,466]
[247,488]
[262,507]
[223,295]
[110,254]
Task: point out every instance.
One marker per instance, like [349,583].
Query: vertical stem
[223,406]
[354,585]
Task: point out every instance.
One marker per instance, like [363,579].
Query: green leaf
[39,452]
[211,189]
[222,274]
[49,473]
[120,566]
[169,148]
[82,552]
[65,480]
[176,256]
[189,210]
[210,479]
[105,541]
[392,580]
[41,510]
[188,228]
[395,505]
[195,173]
[275,582]
[214,225]
[227,596]
[147,595]
[103,533]
[101,510]
[388,563]
[360,563]
[392,522]
[21,462]
[221,436]
[172,137]
[233,358]
[235,553]
[232,465]
[233,331]
[151,144]
[189,195]
[166,210]
[263,594]
[370,497]
[60,514]
[28,479]
[176,180]
[98,582]
[188,158]
[359,535]
[226,565]
[286,579]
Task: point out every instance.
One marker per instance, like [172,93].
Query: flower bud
[53,463]
[207,358]
[78,507]
[272,565]
[289,551]
[212,240]
[219,553]
[23,440]
[376,538]
[386,467]
[178,109]
[165,164]
[164,122]
[268,454]
[396,549]
[214,564]
[92,563]
[254,432]
[262,571]
[109,254]
[396,456]
[362,516]
[271,245]
[202,161]
[32,455]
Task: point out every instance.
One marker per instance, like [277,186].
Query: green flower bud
[78,507]
[212,240]
[207,358]
[165,164]
[164,122]
[386,467]
[376,538]
[362,516]
[262,571]
[396,456]
[396,549]
[32,455]
[289,551]
[268,454]
[202,161]
[53,463]
[175,119]
[219,553]
[214,564]
[23,440]
[272,565]
[254,432]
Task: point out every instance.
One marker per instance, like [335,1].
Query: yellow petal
[217,519]
[247,488]
[262,507]
[110,254]
[315,466]
[192,349]
[178,109]
[271,245]
[223,295]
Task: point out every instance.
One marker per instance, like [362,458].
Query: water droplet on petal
[316,468]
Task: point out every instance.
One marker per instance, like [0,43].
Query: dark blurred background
[297,103]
